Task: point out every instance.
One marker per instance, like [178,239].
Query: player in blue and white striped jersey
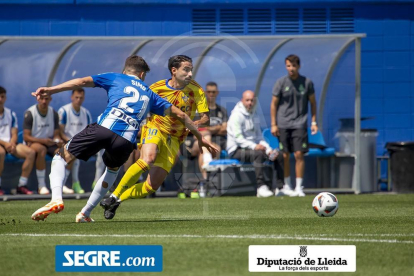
[123,115]
[129,101]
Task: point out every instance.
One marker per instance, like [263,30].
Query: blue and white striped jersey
[129,101]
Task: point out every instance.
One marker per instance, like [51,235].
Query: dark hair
[80,90]
[136,64]
[293,59]
[2,90]
[175,61]
[212,83]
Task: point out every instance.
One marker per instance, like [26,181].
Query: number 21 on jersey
[132,99]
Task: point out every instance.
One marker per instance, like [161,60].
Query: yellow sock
[131,177]
[139,190]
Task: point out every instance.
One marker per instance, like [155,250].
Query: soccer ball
[325,204]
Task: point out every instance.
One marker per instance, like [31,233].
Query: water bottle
[273,155]
[202,190]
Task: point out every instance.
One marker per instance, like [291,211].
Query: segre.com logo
[108,258]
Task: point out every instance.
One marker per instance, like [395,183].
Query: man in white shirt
[41,133]
[245,142]
[73,118]
[9,145]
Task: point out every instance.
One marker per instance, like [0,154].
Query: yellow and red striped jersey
[189,100]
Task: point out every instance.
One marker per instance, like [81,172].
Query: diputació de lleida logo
[303,251]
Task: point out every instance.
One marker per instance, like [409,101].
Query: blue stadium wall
[387,57]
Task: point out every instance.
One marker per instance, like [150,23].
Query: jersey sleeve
[157,104]
[55,120]
[277,88]
[14,120]
[311,88]
[62,116]
[28,120]
[201,101]
[104,80]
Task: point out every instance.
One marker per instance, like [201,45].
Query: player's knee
[66,155]
[149,158]
[31,154]
[298,155]
[41,152]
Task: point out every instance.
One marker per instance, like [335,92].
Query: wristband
[314,123]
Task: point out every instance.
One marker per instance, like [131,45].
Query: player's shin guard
[139,190]
[131,177]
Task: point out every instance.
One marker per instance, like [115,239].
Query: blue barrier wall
[387,52]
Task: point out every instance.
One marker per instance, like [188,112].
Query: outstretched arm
[188,123]
[69,85]
[204,120]
[184,119]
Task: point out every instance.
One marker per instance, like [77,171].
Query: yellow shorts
[167,146]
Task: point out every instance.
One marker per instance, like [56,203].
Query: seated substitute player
[41,133]
[73,117]
[216,132]
[129,101]
[8,145]
[161,136]
[218,117]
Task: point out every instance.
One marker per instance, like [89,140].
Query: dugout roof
[235,63]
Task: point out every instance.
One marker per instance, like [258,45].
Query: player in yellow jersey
[161,136]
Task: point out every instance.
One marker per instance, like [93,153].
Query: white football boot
[81,218]
[55,206]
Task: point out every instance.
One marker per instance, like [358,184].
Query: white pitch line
[254,237]
[358,235]
[383,235]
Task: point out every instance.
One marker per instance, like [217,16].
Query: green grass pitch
[212,236]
